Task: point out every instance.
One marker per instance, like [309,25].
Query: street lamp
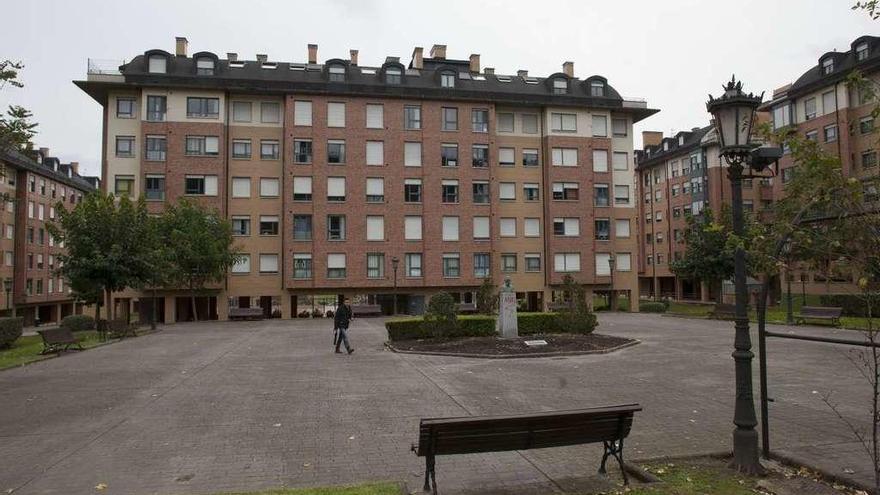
[789,313]
[394,262]
[7,286]
[733,115]
[612,301]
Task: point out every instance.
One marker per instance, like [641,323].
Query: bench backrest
[245,311]
[57,336]
[442,436]
[821,311]
[366,309]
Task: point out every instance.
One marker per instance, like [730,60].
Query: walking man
[341,320]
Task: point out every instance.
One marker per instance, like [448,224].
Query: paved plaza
[223,406]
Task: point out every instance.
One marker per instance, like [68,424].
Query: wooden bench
[366,310]
[819,313]
[246,314]
[58,339]
[470,435]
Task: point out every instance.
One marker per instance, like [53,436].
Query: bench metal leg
[430,475]
[614,449]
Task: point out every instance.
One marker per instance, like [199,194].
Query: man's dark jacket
[342,316]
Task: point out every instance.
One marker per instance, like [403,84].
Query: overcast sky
[670,52]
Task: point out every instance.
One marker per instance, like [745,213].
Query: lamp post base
[745,452]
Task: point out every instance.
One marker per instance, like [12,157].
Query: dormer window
[205,66]
[393,75]
[827,66]
[665,145]
[336,73]
[447,79]
[861,51]
[597,88]
[560,86]
[157,64]
[680,140]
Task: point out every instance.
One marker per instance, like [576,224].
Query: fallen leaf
[848,471]
[101,486]
[351,437]
[307,464]
[276,425]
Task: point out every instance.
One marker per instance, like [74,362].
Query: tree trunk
[110,312]
[195,309]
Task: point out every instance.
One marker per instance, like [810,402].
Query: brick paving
[209,407]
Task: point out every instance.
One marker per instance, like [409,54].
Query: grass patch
[365,489]
[775,314]
[686,309]
[696,480]
[27,349]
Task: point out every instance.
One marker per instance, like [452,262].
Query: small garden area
[365,489]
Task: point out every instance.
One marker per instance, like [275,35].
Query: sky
[672,53]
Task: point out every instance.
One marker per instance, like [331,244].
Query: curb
[795,461]
[391,347]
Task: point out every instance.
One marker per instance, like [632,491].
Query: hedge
[78,323]
[484,326]
[10,330]
[652,307]
[852,305]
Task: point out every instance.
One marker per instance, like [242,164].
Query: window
[413,263]
[623,262]
[450,228]
[375,153]
[156,108]
[375,228]
[564,157]
[302,227]
[241,225]
[125,146]
[505,121]
[302,113]
[810,108]
[481,228]
[603,229]
[566,262]
[781,116]
[412,190]
[242,111]
[812,135]
[157,64]
[480,155]
[621,194]
[335,227]
[302,188]
[270,112]
[447,79]
[829,102]
[567,191]
[506,157]
[600,126]
[203,108]
[449,191]
[392,75]
[335,151]
[336,265]
[600,160]
[124,187]
[154,187]
[449,119]
[620,160]
[861,51]
[532,227]
[603,264]
[375,190]
[336,73]
[531,192]
[530,158]
[125,108]
[449,155]
[269,187]
[676,188]
[787,173]
[268,263]
[302,265]
[302,151]
[597,88]
[269,149]
[533,262]
[621,228]
[335,188]
[375,265]
[563,122]
[241,148]
[507,227]
[869,159]
[619,127]
[335,114]
[202,145]
[412,154]
[203,185]
[480,120]
[268,225]
[481,192]
[529,123]
[600,195]
[412,117]
[658,195]
[242,265]
[508,262]
[412,228]
[560,86]
[567,227]
[375,116]
[482,265]
[866,125]
[830,133]
[205,66]
[451,265]
[828,66]
[658,216]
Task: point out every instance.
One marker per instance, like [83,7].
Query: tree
[487,297]
[575,316]
[16,129]
[441,317]
[707,256]
[200,247]
[107,245]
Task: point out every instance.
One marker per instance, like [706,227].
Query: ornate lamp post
[7,286]
[733,115]
[394,262]
[612,301]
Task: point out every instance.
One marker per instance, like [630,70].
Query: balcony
[630,102]
[104,69]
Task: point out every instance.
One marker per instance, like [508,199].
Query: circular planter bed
[494,347]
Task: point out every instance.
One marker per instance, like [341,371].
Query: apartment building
[33,188]
[373,181]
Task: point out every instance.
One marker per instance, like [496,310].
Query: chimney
[475,62]
[180,46]
[522,73]
[231,56]
[74,166]
[416,62]
[489,71]
[438,51]
[651,138]
[568,69]
[313,53]
[262,58]
[44,152]
[353,57]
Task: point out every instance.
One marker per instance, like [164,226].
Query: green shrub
[536,323]
[10,331]
[414,328]
[78,323]
[852,305]
[441,317]
[652,307]
[475,326]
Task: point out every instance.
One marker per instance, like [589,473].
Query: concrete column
[704,291]
[634,299]
[222,306]
[58,313]
[285,305]
[589,295]
[679,291]
[170,309]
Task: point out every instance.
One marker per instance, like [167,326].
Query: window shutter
[210,185]
[559,262]
[268,187]
[557,156]
[532,227]
[270,112]
[508,227]
[450,228]
[268,263]
[620,160]
[302,185]
[375,117]
[570,156]
[412,154]
[623,262]
[600,160]
[336,261]
[507,190]
[572,227]
[375,186]
[375,228]
[335,114]
[573,262]
[505,122]
[212,144]
[558,187]
[602,267]
[413,228]
[241,187]
[335,186]
[375,153]
[449,182]
[506,155]
[621,228]
[600,125]
[241,111]
[302,113]
[412,182]
[481,227]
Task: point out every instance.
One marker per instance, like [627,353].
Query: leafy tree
[200,247]
[107,245]
[16,129]
[441,316]
[707,256]
[487,297]
[575,317]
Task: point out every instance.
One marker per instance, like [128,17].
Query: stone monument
[507,311]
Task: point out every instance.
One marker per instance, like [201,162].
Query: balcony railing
[107,67]
[630,102]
